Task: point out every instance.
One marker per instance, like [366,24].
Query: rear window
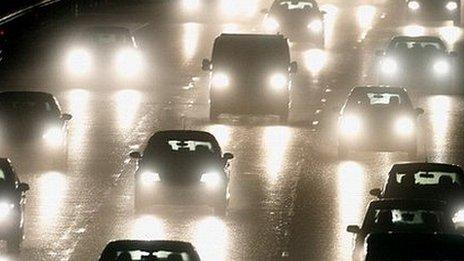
[293,5]
[417,46]
[384,98]
[190,146]
[26,105]
[374,99]
[139,255]
[431,178]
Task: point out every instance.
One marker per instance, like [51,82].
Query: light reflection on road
[365,15]
[148,227]
[127,105]
[276,141]
[211,238]
[190,39]
[438,111]
[53,187]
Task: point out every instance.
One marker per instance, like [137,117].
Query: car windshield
[418,46]
[429,178]
[295,5]
[378,99]
[386,219]
[180,148]
[140,255]
[26,106]
[108,38]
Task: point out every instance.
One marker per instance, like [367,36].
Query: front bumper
[162,194]
[376,142]
[418,80]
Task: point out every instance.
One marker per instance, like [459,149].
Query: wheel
[14,243]
[342,152]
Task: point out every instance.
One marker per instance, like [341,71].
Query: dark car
[422,62]
[138,250]
[250,74]
[423,180]
[402,216]
[32,121]
[182,167]
[413,246]
[12,200]
[300,21]
[378,118]
[424,11]
[101,53]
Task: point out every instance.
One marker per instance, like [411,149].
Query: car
[12,201]
[33,121]
[424,11]
[423,63]
[300,21]
[402,216]
[413,246]
[138,250]
[103,54]
[182,167]
[379,118]
[262,87]
[425,180]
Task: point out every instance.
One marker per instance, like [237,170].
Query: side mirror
[135,155]
[353,229]
[66,116]
[453,54]
[206,65]
[23,187]
[376,192]
[293,67]
[379,52]
[419,111]
[228,156]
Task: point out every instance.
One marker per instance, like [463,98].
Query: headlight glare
[79,62]
[350,125]
[211,179]
[53,136]
[451,6]
[271,24]
[315,26]
[389,66]
[128,62]
[5,209]
[278,81]
[149,177]
[441,67]
[220,80]
[404,126]
[414,5]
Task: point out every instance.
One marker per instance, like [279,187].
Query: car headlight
[79,62]
[278,81]
[414,5]
[441,67]
[149,178]
[404,126]
[389,66]
[271,24]
[315,26]
[53,136]
[5,209]
[220,80]
[128,62]
[451,6]
[211,179]
[350,125]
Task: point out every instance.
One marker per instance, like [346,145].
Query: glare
[350,125]
[365,15]
[439,109]
[459,217]
[451,34]
[53,136]
[5,209]
[330,19]
[231,28]
[451,5]
[148,227]
[211,231]
[441,67]
[413,30]
[220,80]
[52,191]
[276,141]
[404,126]
[221,132]
[278,81]
[271,24]
[190,39]
[388,66]
[190,5]
[315,26]
[211,179]
[315,60]
[238,8]
[149,178]
[414,5]
[129,63]
[127,105]
[79,62]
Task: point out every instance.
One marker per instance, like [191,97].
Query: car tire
[14,243]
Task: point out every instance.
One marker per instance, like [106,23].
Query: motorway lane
[291,196]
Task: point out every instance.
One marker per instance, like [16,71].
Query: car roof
[404,38]
[408,203]
[182,134]
[27,94]
[148,245]
[425,166]
[382,88]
